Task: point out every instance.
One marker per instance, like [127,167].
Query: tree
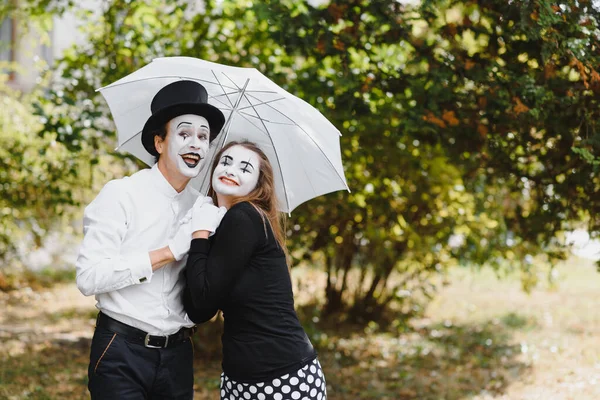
[46,169]
[503,90]
[38,175]
[462,124]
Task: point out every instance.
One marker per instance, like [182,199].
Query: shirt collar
[164,186]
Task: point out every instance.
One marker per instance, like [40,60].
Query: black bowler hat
[180,98]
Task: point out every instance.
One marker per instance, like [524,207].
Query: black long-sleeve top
[243,271]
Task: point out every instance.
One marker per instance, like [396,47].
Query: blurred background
[462,265]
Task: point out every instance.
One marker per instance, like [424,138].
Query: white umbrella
[302,145]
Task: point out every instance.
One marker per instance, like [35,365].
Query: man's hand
[207,217]
[199,201]
[180,243]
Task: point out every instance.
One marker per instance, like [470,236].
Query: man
[141,347]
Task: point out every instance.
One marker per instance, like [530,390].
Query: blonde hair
[263,197]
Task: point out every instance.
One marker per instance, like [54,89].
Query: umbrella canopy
[302,145]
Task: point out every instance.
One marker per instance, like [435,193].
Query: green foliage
[468,127]
[37,174]
[458,121]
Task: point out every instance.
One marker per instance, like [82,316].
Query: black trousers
[123,370]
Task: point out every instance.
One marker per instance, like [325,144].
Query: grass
[482,338]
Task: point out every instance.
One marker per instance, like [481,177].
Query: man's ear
[158,144]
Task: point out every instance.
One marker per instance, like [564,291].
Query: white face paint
[237,173]
[187,143]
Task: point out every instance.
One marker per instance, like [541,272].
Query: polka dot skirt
[307,383]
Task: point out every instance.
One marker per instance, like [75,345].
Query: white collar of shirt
[164,186]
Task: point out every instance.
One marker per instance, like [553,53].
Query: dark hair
[263,196]
[161,132]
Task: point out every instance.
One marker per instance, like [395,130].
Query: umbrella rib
[125,142]
[236,89]
[221,102]
[262,102]
[273,108]
[287,201]
[160,77]
[129,110]
[239,89]
[231,80]
[291,120]
[248,91]
[269,121]
[252,123]
[262,91]
[310,137]
[222,88]
[227,94]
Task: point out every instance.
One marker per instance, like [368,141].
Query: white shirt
[129,218]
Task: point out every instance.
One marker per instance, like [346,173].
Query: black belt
[138,336]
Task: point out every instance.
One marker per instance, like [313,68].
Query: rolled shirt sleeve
[101,267]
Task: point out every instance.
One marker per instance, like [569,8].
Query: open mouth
[191,159]
[228,181]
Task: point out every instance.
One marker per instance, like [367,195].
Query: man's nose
[195,143]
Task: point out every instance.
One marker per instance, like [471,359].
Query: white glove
[199,201]
[180,243]
[207,217]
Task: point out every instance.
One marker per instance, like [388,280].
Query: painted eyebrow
[247,163]
[189,123]
[228,157]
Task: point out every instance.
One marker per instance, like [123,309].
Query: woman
[243,271]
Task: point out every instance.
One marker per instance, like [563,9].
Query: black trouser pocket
[101,344]
[123,370]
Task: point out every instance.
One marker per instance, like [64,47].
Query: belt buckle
[147,339]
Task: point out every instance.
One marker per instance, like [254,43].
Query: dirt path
[555,331]
[482,339]
[62,313]
[44,346]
